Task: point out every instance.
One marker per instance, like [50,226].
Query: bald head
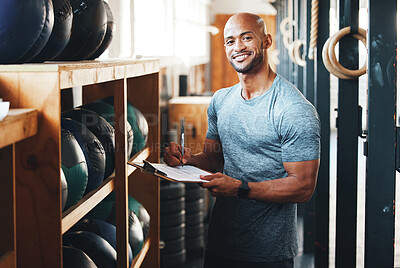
[250,20]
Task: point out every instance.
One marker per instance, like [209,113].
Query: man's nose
[239,45]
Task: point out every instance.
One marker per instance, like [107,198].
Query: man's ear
[267,41]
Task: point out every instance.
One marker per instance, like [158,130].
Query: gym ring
[294,52]
[330,60]
[299,60]
[286,33]
[291,52]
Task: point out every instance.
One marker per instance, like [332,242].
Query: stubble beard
[259,57]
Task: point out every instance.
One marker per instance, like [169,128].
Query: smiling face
[246,42]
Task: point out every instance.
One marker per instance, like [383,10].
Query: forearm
[297,187]
[284,190]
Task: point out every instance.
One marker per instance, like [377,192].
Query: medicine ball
[109,33]
[106,111]
[141,213]
[43,37]
[88,29]
[136,238]
[105,210]
[137,208]
[96,247]
[92,149]
[142,123]
[61,32]
[21,22]
[138,139]
[64,189]
[101,228]
[73,164]
[101,129]
[76,258]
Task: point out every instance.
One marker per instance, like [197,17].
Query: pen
[182,139]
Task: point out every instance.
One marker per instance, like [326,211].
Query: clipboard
[186,173]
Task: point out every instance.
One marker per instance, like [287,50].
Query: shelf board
[137,261]
[8,259]
[19,124]
[87,72]
[73,214]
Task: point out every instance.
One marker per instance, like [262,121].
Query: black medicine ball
[93,150]
[101,228]
[106,111]
[76,258]
[96,247]
[43,37]
[88,29]
[74,167]
[101,129]
[109,33]
[21,23]
[61,32]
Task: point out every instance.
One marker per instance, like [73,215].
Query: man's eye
[247,38]
[229,42]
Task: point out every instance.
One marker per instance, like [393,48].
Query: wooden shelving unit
[19,124]
[73,214]
[40,222]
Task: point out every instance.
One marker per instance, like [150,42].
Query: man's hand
[221,185]
[173,155]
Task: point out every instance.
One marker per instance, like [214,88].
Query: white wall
[235,6]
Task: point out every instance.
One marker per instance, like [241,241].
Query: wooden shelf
[137,261]
[76,212]
[81,73]
[40,222]
[19,124]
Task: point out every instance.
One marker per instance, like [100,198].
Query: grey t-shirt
[257,136]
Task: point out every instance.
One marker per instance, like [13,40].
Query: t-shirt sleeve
[299,129]
[212,131]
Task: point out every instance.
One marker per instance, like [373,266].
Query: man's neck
[256,83]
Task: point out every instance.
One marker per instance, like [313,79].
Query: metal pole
[308,90]
[347,142]
[380,194]
[322,103]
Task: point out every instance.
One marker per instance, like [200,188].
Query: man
[264,137]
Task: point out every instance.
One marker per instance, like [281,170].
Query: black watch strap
[243,190]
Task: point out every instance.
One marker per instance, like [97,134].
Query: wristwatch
[243,190]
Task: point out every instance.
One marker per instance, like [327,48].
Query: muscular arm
[297,187]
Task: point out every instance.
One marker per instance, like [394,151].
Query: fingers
[172,154]
[211,180]
[207,177]
[221,185]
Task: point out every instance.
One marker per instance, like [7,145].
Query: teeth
[241,57]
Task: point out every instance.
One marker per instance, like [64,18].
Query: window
[170,28]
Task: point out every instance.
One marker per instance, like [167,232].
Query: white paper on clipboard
[184,173]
